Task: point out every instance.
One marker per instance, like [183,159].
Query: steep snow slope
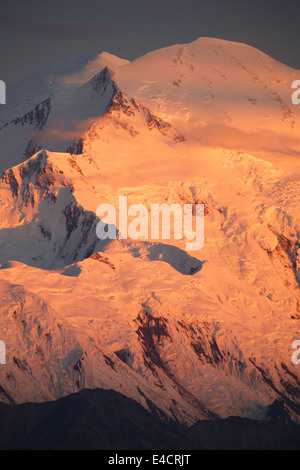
[191,335]
[213,89]
[55,108]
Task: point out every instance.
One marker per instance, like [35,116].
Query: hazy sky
[34,33]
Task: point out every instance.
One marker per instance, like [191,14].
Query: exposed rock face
[37,117]
[39,186]
[123,113]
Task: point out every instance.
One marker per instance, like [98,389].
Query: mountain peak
[113,59]
[88,69]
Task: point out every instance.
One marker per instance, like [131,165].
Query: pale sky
[35,33]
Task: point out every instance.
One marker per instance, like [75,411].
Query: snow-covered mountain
[188,335]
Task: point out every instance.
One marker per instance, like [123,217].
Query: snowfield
[189,335]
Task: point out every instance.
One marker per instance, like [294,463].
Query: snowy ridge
[62,121]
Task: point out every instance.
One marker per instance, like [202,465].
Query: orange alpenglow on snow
[199,334]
